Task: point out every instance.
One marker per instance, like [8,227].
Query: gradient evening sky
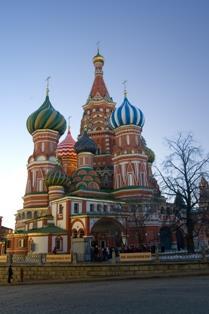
[160,47]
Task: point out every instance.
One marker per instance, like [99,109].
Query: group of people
[101,254]
[142,248]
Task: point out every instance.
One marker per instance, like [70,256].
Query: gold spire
[47,85]
[124,88]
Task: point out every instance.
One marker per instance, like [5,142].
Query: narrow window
[91,208]
[76,208]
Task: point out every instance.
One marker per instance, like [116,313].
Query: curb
[114,278]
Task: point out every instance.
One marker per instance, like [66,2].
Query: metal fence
[41,259]
[182,256]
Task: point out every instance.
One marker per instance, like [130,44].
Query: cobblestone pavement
[161,296]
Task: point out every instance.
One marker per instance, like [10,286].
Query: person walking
[10,273]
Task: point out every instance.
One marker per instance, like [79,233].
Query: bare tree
[139,213]
[182,171]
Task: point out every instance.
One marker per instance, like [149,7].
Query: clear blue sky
[160,47]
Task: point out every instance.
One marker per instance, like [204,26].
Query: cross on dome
[69,122]
[47,85]
[124,88]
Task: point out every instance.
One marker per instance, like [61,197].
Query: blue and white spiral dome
[126,114]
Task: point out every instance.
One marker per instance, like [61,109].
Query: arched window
[59,243]
[29,215]
[42,147]
[118,181]
[31,245]
[142,179]
[81,233]
[98,152]
[40,185]
[74,233]
[106,180]
[21,243]
[130,179]
[127,139]
[91,208]
[99,207]
[60,210]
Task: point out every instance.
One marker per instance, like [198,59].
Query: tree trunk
[190,235]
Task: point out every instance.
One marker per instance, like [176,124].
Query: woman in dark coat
[10,273]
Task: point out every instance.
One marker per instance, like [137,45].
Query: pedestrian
[10,273]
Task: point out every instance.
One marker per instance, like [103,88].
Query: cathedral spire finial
[69,122]
[124,88]
[98,46]
[47,85]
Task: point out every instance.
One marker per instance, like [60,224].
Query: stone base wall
[69,272]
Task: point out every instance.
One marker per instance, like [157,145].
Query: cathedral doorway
[107,233]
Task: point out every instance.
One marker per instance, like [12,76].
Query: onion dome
[98,58]
[126,114]
[148,151]
[46,117]
[150,154]
[85,179]
[66,154]
[85,144]
[57,176]
[65,149]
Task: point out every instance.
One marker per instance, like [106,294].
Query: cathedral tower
[95,119]
[85,177]
[46,125]
[131,169]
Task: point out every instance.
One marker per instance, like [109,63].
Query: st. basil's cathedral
[100,186]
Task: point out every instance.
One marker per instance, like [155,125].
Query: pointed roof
[99,89]
[203,182]
[66,147]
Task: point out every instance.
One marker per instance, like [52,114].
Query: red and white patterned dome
[66,153]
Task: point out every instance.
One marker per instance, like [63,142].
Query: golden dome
[98,58]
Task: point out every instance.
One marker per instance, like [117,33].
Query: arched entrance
[165,239]
[107,232]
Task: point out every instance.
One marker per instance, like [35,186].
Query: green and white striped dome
[46,117]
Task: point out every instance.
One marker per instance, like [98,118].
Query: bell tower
[97,111]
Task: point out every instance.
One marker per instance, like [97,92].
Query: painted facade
[100,186]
